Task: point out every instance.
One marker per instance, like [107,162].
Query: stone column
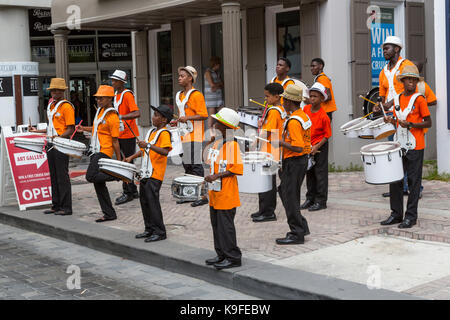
[61,56]
[232,54]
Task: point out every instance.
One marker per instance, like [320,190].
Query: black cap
[165,111]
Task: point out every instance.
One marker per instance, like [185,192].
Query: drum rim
[347,125]
[379,126]
[380,153]
[117,164]
[357,126]
[32,141]
[67,143]
[200,180]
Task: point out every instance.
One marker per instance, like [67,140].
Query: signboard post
[29,170]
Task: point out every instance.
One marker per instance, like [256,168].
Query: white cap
[228,117]
[393,40]
[191,70]
[119,75]
[319,88]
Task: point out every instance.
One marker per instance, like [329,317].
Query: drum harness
[305,124]
[51,131]
[283,115]
[213,154]
[390,75]
[146,171]
[95,143]
[404,135]
[187,127]
[118,103]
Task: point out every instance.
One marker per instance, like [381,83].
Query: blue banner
[379,32]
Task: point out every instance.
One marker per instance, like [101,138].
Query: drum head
[115,174]
[380,148]
[116,163]
[189,180]
[67,143]
[372,95]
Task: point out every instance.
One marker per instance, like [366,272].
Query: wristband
[149,145]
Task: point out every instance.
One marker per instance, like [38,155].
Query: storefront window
[212,45]
[165,68]
[288,39]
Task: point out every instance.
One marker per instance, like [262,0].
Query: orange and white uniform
[273,125]
[124,103]
[106,127]
[297,132]
[154,165]
[192,104]
[330,105]
[60,116]
[389,84]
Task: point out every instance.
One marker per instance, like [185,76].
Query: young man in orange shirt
[192,114]
[412,118]
[61,123]
[154,150]
[317,176]
[125,105]
[272,125]
[296,145]
[329,105]
[104,143]
[225,163]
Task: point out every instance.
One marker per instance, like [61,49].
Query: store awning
[140,14]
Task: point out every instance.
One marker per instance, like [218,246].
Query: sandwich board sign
[28,171]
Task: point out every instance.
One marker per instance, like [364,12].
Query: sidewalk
[346,241]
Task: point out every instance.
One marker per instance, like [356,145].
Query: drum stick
[76,128]
[368,100]
[368,115]
[256,102]
[262,139]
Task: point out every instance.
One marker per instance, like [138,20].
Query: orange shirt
[159,162]
[273,125]
[297,136]
[285,85]
[420,111]
[106,131]
[228,197]
[398,85]
[196,105]
[330,105]
[64,117]
[321,124]
[127,106]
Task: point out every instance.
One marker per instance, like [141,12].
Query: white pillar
[14,34]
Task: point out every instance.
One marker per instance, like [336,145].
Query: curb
[255,278]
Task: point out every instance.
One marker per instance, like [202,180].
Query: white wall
[443,134]
[14,29]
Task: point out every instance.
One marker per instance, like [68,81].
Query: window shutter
[310,38]
[142,78]
[178,54]
[415,33]
[361,69]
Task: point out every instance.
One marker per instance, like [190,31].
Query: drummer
[125,105]
[191,109]
[226,163]
[272,125]
[104,143]
[412,117]
[283,67]
[157,146]
[329,105]
[61,123]
[296,145]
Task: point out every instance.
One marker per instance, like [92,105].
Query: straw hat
[293,93]
[410,72]
[105,91]
[393,40]
[58,84]
[119,75]
[191,71]
[319,88]
[228,117]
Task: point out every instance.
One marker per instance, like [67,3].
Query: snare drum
[119,169]
[70,147]
[382,129]
[348,129]
[30,144]
[258,172]
[383,163]
[177,146]
[366,131]
[189,189]
[250,117]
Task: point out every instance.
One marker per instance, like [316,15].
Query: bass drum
[368,107]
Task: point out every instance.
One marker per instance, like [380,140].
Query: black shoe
[50,211]
[104,219]
[387,195]
[290,240]
[263,218]
[199,203]
[136,195]
[63,213]
[407,224]
[307,204]
[406,193]
[144,235]
[317,207]
[124,198]
[390,221]
[180,202]
[211,262]
[155,237]
[255,215]
[227,264]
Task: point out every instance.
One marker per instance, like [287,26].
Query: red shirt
[321,124]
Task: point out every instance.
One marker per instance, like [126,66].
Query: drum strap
[146,171]
[282,113]
[95,142]
[403,135]
[184,127]
[51,131]
[213,156]
[305,125]
[118,103]
[284,82]
[390,75]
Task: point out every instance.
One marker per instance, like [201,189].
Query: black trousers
[99,179]
[192,158]
[317,178]
[330,115]
[412,165]
[292,176]
[224,232]
[268,200]
[128,147]
[58,164]
[151,207]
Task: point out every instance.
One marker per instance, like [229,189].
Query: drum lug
[374,159]
[389,157]
[253,167]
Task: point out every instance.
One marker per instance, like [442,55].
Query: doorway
[82,89]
